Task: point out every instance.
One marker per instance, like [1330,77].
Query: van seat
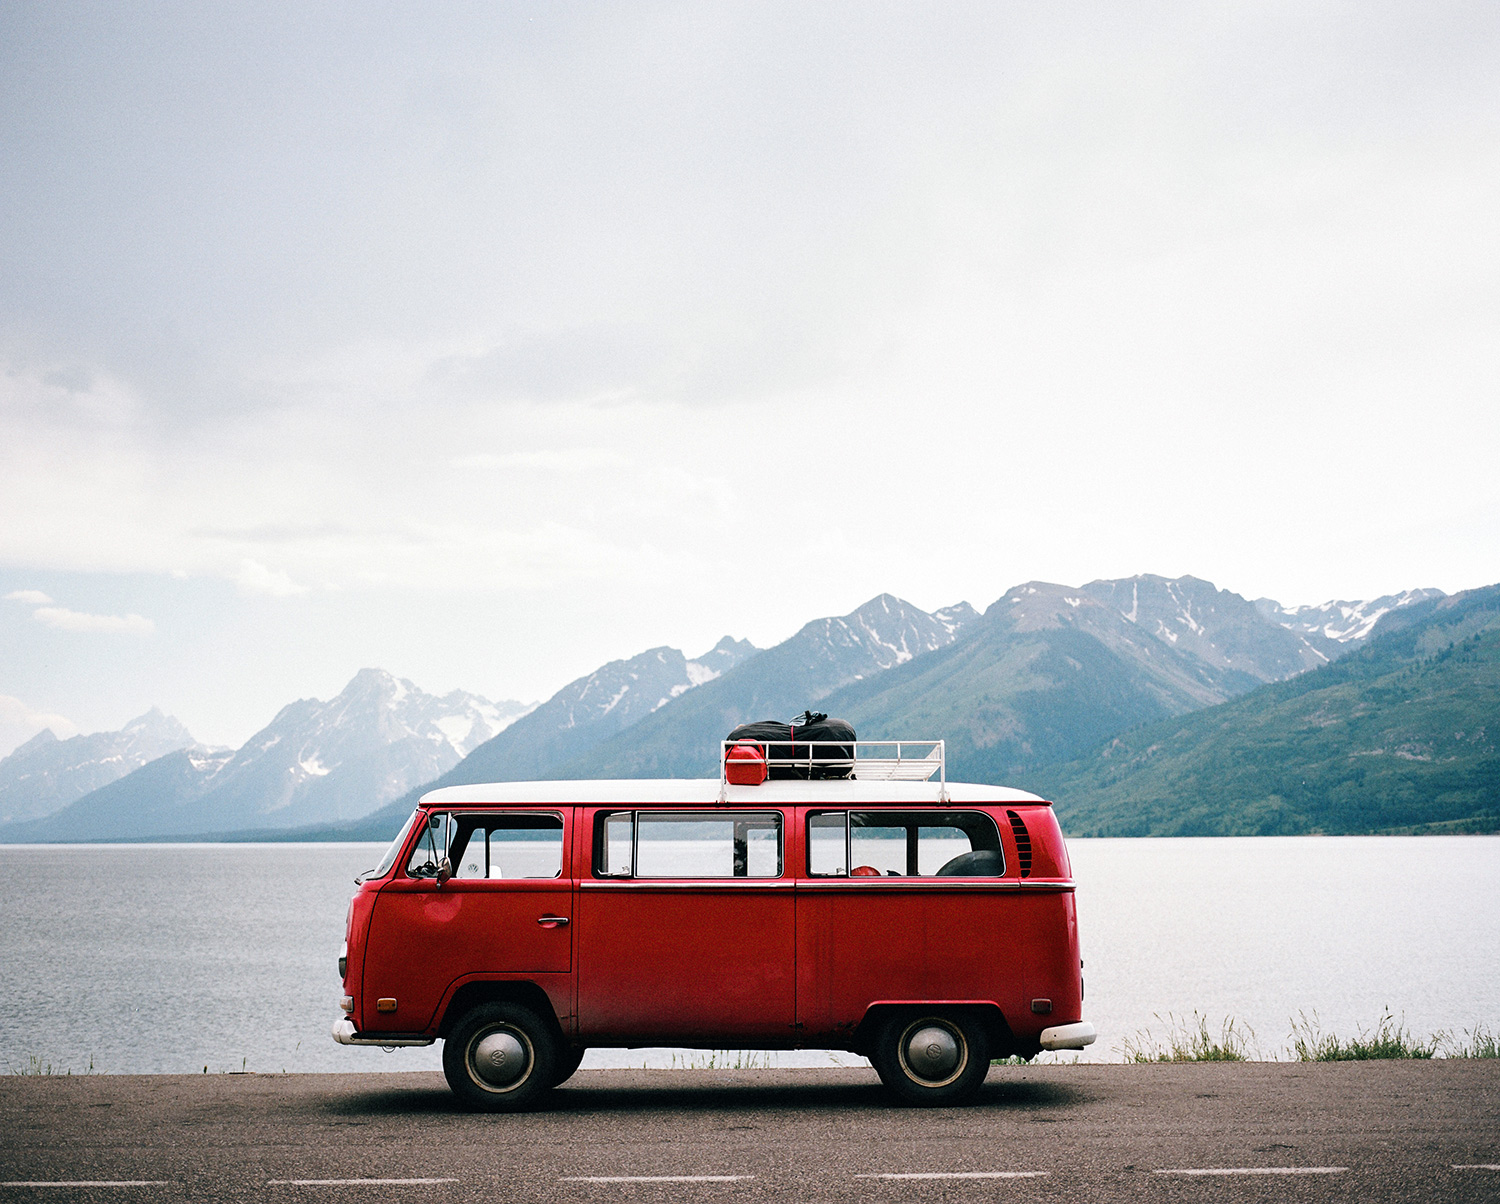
[982,863]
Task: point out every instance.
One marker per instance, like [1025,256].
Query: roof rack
[873,760]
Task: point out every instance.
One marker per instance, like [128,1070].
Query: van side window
[507,846]
[828,844]
[907,844]
[675,844]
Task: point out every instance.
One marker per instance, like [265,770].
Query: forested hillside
[1399,736]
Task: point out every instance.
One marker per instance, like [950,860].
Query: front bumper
[1068,1036]
[344,1034]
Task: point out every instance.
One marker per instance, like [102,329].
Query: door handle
[552,921]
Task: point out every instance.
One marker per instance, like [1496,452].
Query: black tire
[567,1063]
[932,1059]
[519,1064]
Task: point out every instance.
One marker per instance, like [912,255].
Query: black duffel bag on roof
[797,750]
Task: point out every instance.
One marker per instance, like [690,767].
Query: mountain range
[1045,673]
[1044,679]
[315,762]
[1402,735]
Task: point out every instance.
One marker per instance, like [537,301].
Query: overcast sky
[487,343]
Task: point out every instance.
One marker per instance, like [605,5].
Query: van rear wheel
[932,1059]
[500,1057]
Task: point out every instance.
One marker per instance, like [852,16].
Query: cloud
[19,723]
[73,620]
[32,597]
[255,578]
[566,459]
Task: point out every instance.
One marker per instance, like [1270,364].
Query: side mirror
[445,871]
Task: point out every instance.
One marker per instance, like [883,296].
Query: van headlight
[343,960]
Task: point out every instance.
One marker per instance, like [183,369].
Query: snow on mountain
[1148,648]
[340,759]
[719,659]
[46,774]
[881,634]
[468,721]
[1340,622]
[1217,626]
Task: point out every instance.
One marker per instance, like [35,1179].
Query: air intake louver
[1023,842]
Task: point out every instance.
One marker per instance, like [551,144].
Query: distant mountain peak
[719,659]
[158,724]
[46,774]
[890,630]
[1341,621]
[38,742]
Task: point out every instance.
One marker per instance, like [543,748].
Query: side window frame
[486,821]
[913,821]
[599,853]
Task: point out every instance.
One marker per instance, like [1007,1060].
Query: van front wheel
[568,1062]
[500,1057]
[933,1059]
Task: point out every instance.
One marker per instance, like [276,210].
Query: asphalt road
[1367,1131]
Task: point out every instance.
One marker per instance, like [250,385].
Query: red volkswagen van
[928,926]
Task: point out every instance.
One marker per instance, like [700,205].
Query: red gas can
[745,764]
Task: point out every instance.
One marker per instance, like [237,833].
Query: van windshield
[384,868]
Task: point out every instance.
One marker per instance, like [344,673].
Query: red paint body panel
[685,963]
[1049,854]
[1046,924]
[865,942]
[425,938]
[355,936]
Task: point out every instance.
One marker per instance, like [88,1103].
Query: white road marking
[85,1183]
[1476,1166]
[349,1182]
[654,1178]
[1259,1170]
[961,1175]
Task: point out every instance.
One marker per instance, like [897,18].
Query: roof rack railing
[872,760]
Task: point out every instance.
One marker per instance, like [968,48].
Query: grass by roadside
[35,1064]
[1389,1038]
[1192,1041]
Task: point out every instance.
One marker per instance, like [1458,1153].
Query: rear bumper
[1068,1036]
[344,1034]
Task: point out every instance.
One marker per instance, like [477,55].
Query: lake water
[170,958]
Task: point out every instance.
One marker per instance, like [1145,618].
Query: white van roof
[706,792]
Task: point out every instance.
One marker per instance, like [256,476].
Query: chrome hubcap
[932,1053]
[499,1058]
